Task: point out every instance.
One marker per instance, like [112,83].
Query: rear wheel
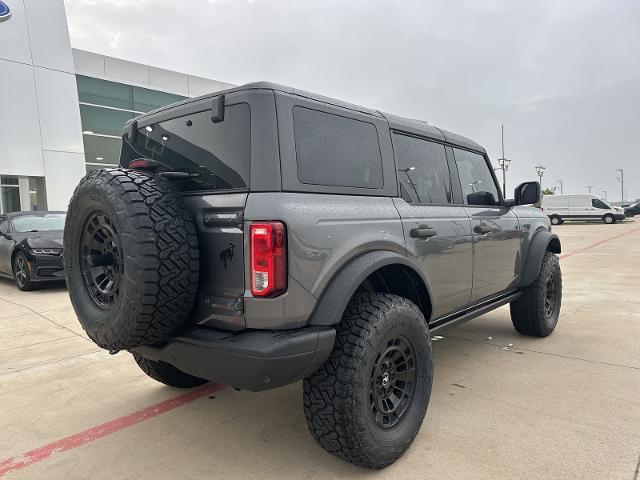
[556,220]
[168,374]
[367,402]
[537,309]
[22,272]
[608,218]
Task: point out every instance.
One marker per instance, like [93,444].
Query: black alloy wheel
[393,380]
[101,259]
[550,295]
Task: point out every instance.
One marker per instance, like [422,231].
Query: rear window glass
[218,155]
[336,151]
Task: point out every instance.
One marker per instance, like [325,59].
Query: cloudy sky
[562,76]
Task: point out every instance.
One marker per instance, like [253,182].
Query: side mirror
[526,193]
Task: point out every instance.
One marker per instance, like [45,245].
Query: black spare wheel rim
[393,381]
[551,295]
[101,259]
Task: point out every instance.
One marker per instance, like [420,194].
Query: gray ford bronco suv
[263,235]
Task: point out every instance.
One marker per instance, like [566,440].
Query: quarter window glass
[336,151]
[478,187]
[423,172]
[4,225]
[600,204]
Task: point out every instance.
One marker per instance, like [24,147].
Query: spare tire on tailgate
[130,258]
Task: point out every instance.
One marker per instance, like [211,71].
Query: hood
[49,239]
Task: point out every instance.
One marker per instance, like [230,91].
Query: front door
[5,245]
[436,230]
[496,231]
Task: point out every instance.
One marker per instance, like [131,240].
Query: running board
[473,312]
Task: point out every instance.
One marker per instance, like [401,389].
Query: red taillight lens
[268,259]
[139,163]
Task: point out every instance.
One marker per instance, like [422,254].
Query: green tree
[549,191]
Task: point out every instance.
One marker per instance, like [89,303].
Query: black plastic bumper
[251,360]
[46,267]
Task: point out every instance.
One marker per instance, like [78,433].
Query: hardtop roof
[396,122]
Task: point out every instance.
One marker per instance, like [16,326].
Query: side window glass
[599,204]
[478,186]
[4,225]
[423,172]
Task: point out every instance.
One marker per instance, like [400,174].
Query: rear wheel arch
[375,271]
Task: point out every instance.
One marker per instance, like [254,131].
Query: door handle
[482,229]
[423,231]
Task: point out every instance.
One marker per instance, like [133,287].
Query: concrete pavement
[563,407]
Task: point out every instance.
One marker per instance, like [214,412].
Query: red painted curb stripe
[588,247]
[112,426]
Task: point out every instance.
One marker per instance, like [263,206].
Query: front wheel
[537,309]
[22,272]
[609,219]
[367,402]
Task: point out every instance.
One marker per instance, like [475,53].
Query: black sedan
[31,247]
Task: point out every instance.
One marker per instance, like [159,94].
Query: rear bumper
[251,359]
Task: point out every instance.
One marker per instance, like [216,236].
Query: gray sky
[563,76]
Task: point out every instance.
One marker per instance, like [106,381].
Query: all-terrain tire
[529,313]
[168,374]
[339,397]
[152,236]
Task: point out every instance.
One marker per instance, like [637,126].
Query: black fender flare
[541,241]
[343,285]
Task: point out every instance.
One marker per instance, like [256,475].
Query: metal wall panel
[14,38]
[59,111]
[167,80]
[202,86]
[63,171]
[88,63]
[49,34]
[21,152]
[124,71]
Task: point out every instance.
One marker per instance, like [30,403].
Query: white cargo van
[579,207]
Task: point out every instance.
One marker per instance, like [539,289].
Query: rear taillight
[140,163]
[268,259]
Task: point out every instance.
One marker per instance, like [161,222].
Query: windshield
[36,223]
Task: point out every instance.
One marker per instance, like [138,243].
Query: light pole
[621,180]
[540,170]
[589,187]
[504,165]
[605,194]
[561,187]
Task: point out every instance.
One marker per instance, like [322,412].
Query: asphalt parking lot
[503,405]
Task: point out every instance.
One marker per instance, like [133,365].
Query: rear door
[495,227]
[436,229]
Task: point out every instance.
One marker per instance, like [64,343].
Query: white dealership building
[62,109]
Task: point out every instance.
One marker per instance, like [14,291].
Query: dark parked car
[264,235]
[632,210]
[31,247]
